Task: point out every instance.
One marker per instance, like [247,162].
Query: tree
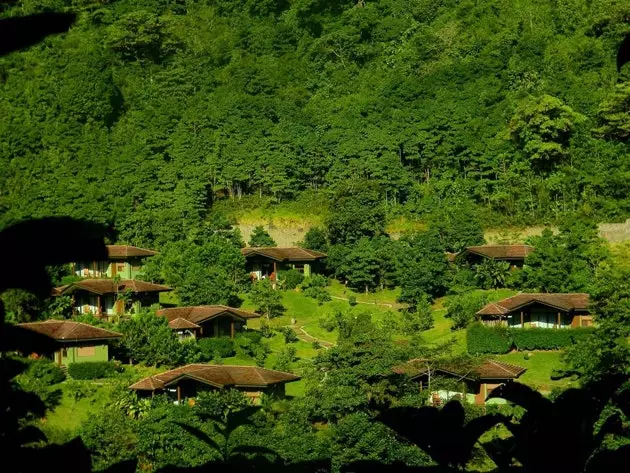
[567,261]
[613,116]
[212,272]
[606,352]
[260,237]
[358,265]
[420,319]
[462,309]
[458,225]
[356,212]
[268,301]
[491,274]
[424,267]
[315,239]
[21,306]
[542,128]
[148,339]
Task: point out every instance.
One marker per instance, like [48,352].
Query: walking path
[306,337]
[384,304]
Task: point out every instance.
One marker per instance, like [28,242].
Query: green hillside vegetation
[145,115]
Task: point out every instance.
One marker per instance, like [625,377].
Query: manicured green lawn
[539,367]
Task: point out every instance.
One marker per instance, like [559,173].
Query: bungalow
[539,310]
[472,382]
[72,341]
[122,260]
[206,320]
[187,381]
[266,262]
[513,254]
[107,297]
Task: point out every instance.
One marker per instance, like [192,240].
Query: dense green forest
[149,111]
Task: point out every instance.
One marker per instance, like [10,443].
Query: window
[120,267]
[86,351]
[64,352]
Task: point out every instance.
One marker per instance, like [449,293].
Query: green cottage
[124,261]
[265,262]
[72,342]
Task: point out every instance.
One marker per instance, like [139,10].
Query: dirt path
[306,337]
[383,304]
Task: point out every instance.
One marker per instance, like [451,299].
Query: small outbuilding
[124,261]
[513,254]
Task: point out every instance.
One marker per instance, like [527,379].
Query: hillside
[147,114]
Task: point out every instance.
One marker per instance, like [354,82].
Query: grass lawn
[539,367]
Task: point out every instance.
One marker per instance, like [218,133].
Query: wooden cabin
[513,254]
[541,310]
[206,320]
[124,261]
[265,262]
[187,381]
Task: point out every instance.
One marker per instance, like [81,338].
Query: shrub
[546,338]
[41,378]
[222,347]
[481,339]
[461,309]
[47,372]
[285,358]
[292,278]
[289,334]
[318,293]
[91,369]
[352,300]
[316,280]
[265,329]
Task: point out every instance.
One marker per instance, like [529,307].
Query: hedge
[91,369]
[481,339]
[222,347]
[546,338]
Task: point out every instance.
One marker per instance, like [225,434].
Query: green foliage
[542,128]
[250,344]
[458,225]
[315,239]
[289,334]
[612,115]
[21,306]
[547,339]
[213,347]
[567,261]
[148,339]
[91,370]
[491,274]
[42,378]
[424,267]
[481,340]
[358,212]
[111,437]
[290,279]
[462,309]
[80,389]
[352,300]
[260,237]
[212,272]
[286,356]
[315,287]
[420,319]
[268,301]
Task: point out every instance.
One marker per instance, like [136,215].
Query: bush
[285,358]
[316,280]
[46,372]
[265,329]
[546,338]
[292,278]
[481,339]
[221,347]
[91,369]
[462,309]
[289,334]
[352,300]
[318,293]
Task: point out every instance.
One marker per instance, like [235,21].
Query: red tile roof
[487,369]
[502,252]
[127,251]
[217,375]
[199,314]
[564,302]
[65,330]
[110,286]
[284,254]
